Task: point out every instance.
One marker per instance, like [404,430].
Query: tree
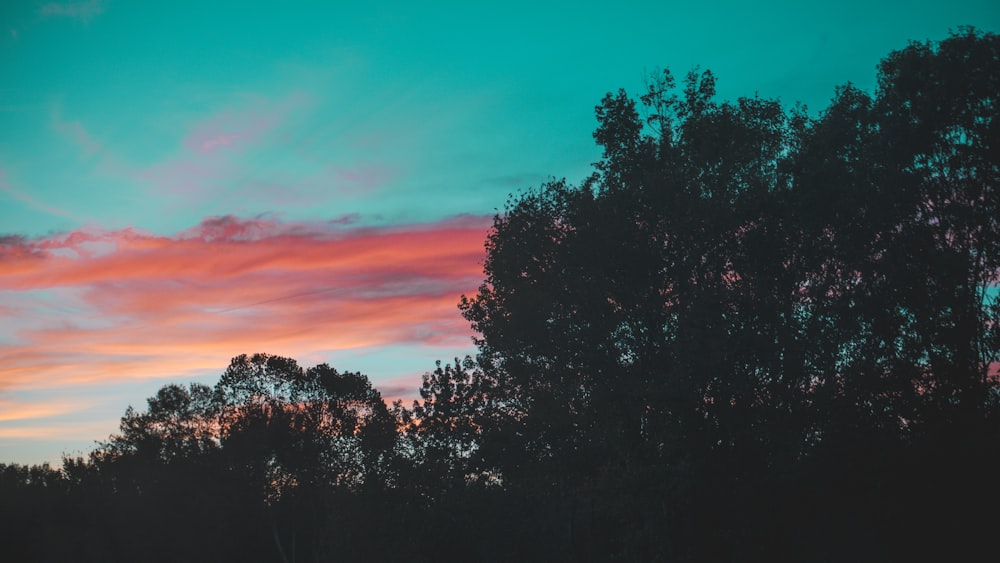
[305,441]
[261,457]
[741,291]
[179,424]
[444,427]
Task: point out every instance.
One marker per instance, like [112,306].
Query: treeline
[752,335]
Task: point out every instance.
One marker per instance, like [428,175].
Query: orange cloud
[97,305]
[12,410]
[61,432]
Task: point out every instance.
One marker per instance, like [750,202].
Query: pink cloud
[236,128]
[205,142]
[404,388]
[137,305]
[220,140]
[207,163]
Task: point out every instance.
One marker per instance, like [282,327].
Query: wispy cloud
[359,179]
[238,127]
[13,410]
[190,177]
[60,432]
[129,304]
[211,159]
[75,131]
[84,10]
[30,201]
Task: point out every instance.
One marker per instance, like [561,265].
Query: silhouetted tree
[741,295]
[443,429]
[260,459]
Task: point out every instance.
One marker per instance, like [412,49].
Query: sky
[182,182]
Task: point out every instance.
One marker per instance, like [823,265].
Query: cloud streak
[59,432]
[11,410]
[234,129]
[30,201]
[77,133]
[98,305]
[216,153]
[84,10]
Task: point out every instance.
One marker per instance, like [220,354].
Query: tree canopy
[742,296]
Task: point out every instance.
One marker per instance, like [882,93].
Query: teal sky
[140,125]
[394,112]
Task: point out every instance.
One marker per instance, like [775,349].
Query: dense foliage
[751,335]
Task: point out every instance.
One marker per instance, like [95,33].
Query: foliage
[741,291]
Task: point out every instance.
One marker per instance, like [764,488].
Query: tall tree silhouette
[740,292]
